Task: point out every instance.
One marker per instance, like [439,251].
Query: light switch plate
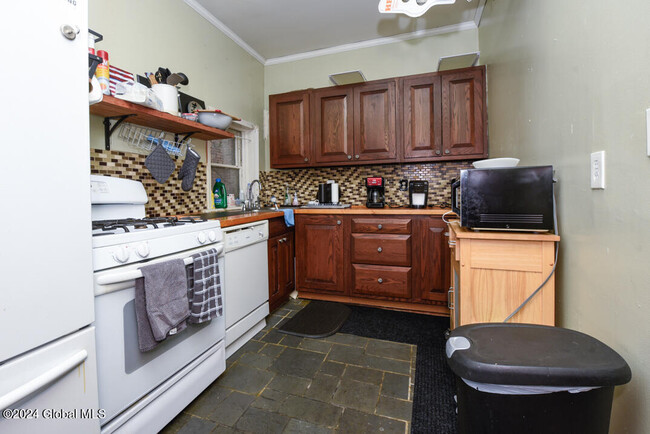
[598,170]
[647,130]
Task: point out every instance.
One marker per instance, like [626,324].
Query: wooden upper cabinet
[332,124]
[375,121]
[464,113]
[421,98]
[290,143]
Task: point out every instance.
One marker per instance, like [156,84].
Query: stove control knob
[212,236]
[121,255]
[143,249]
[201,238]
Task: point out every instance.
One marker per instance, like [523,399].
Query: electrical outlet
[598,170]
[404,184]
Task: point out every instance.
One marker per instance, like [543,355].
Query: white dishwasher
[246,282]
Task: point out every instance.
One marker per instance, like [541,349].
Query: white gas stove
[142,391]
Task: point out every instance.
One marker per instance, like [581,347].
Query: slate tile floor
[278,383]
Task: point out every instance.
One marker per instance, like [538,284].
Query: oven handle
[46,378]
[112,279]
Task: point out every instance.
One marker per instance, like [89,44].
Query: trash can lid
[527,354]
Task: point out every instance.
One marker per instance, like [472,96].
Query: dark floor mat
[317,320]
[434,409]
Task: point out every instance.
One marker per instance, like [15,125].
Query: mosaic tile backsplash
[164,199]
[351,181]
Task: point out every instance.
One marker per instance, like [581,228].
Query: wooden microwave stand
[492,273]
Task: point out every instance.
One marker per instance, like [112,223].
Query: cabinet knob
[446,151]
[69,31]
[379,249]
[380,280]
[281,240]
[306,159]
[379,226]
[338,222]
[437,151]
[356,156]
[349,157]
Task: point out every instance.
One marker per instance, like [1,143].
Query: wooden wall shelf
[111,107]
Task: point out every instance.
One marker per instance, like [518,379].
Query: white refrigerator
[48,380]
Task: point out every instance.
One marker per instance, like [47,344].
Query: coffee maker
[375,192]
[418,192]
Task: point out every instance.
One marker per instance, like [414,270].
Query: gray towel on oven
[204,295]
[165,288]
[146,342]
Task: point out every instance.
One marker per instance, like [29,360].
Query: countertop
[360,209]
[239,218]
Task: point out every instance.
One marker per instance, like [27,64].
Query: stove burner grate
[126,225]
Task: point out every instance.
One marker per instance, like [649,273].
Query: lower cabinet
[281,249]
[319,253]
[374,260]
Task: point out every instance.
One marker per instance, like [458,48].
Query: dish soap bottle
[295,198]
[219,194]
[287,196]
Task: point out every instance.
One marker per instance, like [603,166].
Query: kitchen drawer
[381,226]
[381,281]
[381,249]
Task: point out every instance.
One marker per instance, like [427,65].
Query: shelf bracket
[108,130]
[187,136]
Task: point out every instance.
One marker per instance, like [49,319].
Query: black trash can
[524,378]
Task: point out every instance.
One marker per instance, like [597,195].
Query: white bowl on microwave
[493,163]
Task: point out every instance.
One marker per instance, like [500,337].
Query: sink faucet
[251,204]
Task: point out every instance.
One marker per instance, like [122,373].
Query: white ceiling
[275,31]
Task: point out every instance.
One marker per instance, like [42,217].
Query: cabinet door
[375,114]
[319,253]
[464,132]
[332,125]
[432,276]
[422,117]
[281,272]
[290,143]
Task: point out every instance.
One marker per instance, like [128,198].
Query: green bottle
[219,194]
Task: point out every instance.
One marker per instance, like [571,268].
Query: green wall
[567,79]
[414,56]
[142,35]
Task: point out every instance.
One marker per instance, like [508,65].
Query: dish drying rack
[146,139]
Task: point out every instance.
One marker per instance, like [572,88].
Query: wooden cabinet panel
[381,249]
[290,141]
[421,99]
[332,125]
[319,253]
[375,121]
[281,267]
[432,279]
[381,226]
[383,281]
[464,112]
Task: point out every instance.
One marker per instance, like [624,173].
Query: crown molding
[468,25]
[225,29]
[479,12]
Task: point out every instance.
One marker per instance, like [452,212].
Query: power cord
[557,249]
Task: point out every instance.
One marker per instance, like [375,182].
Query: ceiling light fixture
[349,77]
[412,8]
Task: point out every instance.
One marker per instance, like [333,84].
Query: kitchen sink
[234,212]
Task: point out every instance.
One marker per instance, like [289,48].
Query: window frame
[247,134]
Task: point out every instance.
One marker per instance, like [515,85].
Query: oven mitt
[188,170]
[160,164]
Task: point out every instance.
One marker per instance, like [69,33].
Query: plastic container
[523,378]
[102,72]
[219,194]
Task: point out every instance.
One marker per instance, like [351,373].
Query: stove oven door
[124,373]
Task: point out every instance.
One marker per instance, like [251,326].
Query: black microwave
[513,198]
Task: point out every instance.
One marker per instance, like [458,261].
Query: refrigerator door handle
[46,378]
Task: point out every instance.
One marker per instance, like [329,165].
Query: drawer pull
[338,222]
[379,249]
[380,280]
[379,226]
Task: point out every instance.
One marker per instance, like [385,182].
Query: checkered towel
[204,294]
